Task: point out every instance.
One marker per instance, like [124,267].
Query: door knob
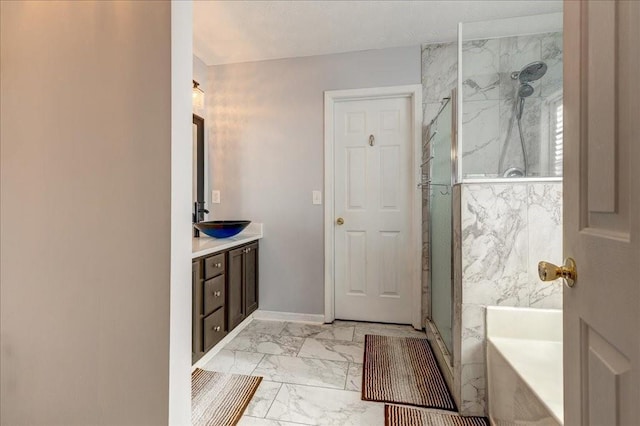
[340,221]
[568,272]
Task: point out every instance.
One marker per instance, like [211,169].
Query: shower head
[525,90]
[532,72]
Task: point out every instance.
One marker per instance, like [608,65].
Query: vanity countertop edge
[203,245]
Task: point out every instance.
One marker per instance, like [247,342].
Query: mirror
[198,168]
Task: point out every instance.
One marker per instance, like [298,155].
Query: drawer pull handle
[217,294]
[218,265]
[216,328]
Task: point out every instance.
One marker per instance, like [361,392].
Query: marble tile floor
[312,374]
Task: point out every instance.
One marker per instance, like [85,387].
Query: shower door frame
[433,332]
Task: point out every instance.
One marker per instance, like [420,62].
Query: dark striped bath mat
[219,399]
[395,415]
[403,370]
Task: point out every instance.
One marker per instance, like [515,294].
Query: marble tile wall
[500,231]
[488,93]
[504,230]
[489,102]
[457,294]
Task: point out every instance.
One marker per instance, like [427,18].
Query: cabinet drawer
[213,329]
[213,294]
[213,266]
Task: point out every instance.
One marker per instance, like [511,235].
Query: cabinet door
[235,291]
[251,278]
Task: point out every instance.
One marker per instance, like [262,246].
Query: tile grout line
[293,423]
[254,368]
[302,384]
[273,401]
[346,377]
[313,386]
[300,349]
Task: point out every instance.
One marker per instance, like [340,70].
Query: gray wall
[86,160]
[266,137]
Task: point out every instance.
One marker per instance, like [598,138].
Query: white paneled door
[602,212]
[373,142]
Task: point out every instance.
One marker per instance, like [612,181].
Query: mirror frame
[199,122]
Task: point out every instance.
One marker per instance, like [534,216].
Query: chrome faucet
[198,215]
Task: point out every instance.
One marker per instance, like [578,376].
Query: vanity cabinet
[242,297]
[208,293]
[225,292]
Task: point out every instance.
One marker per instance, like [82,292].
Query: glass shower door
[440,208]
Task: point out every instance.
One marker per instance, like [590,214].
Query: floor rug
[396,415]
[219,399]
[403,370]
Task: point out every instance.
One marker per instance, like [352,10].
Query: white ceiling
[242,31]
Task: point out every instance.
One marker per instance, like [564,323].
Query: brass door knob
[568,272]
[340,221]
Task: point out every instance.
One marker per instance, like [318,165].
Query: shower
[531,72]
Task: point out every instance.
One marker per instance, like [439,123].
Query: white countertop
[203,245]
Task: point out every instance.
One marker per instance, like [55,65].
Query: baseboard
[222,343]
[288,316]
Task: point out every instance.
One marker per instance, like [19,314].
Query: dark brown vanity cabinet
[208,292]
[242,298]
[225,292]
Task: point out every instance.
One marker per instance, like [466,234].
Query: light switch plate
[215,197]
[316,197]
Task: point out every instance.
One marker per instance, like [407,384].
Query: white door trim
[414,92]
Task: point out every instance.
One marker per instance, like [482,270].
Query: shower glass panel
[440,222]
[510,87]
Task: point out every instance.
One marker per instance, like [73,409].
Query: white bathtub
[524,366]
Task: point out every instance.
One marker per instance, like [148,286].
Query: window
[556,137]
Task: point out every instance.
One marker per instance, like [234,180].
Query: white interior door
[602,212]
[373,142]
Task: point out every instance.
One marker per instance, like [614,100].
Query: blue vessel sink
[222,228]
